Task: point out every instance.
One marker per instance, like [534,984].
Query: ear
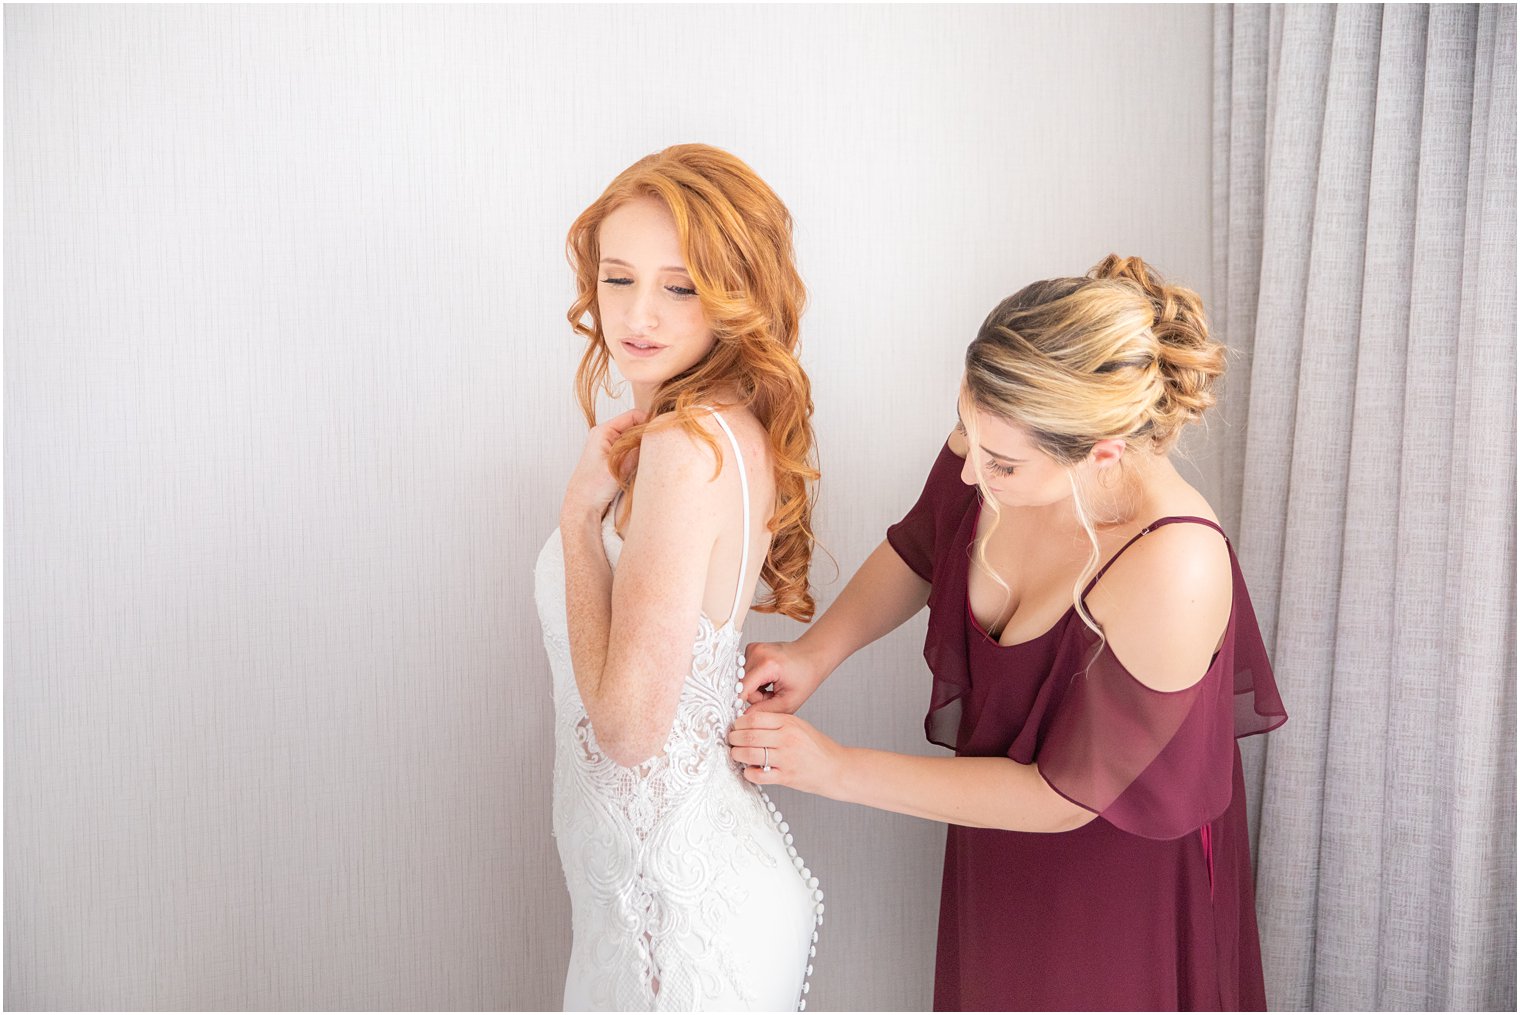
[1106,454]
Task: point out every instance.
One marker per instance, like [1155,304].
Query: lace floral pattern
[677,867]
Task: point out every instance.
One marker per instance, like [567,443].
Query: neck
[1116,499]
[643,396]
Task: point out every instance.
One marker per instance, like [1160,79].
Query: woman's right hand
[779,676]
[592,485]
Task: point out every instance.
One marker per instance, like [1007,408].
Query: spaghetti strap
[1145,531]
[733,613]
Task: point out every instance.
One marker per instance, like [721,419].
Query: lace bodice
[676,867]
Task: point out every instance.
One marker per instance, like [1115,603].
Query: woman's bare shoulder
[670,443]
[1166,600]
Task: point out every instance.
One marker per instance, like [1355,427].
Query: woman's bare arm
[883,594]
[631,633]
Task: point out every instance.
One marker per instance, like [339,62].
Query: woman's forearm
[883,594]
[975,792]
[588,603]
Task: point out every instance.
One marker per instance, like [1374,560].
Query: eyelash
[992,467]
[674,290]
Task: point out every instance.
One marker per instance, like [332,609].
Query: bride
[686,890]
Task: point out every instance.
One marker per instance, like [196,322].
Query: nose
[642,318]
[968,471]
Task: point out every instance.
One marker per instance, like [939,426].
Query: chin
[1026,501]
[641,372]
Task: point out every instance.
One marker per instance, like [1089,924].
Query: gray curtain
[1364,189]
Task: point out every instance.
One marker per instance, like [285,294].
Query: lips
[640,348]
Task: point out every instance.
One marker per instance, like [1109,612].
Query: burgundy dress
[1150,905]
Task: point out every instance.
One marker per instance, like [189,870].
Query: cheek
[606,306]
[1055,487]
[697,332]
[1030,490]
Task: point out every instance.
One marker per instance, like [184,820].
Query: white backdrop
[288,413]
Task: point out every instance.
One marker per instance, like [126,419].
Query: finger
[752,756]
[633,417]
[776,704]
[760,777]
[755,677]
[753,737]
[763,721]
[755,689]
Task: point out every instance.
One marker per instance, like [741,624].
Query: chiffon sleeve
[922,535]
[1154,763]
[927,539]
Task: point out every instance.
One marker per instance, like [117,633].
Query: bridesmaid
[1095,657]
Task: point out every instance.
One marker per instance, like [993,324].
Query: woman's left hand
[798,755]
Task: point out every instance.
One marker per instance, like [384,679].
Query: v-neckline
[971,614]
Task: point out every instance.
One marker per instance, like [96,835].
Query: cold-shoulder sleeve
[931,539]
[922,535]
[1153,763]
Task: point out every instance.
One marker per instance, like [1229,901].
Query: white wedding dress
[686,892]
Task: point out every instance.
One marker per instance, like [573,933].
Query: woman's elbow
[626,743]
[1072,821]
[630,753]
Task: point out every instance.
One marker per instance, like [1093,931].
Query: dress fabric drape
[1364,236]
[1159,883]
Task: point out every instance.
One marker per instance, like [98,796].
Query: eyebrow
[994,454]
[987,450]
[679,269]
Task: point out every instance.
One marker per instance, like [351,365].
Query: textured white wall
[288,413]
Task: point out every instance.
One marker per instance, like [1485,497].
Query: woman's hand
[783,750]
[779,676]
[592,484]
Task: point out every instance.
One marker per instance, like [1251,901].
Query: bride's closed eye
[674,290]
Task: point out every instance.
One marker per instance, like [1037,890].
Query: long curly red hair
[736,237]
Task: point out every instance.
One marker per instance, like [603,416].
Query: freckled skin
[631,632]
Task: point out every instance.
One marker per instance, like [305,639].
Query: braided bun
[1190,361]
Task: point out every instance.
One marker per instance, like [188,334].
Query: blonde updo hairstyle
[1116,354]
[736,238]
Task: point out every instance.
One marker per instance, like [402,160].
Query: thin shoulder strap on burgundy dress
[1136,538]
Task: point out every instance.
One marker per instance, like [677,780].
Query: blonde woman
[685,886]
[1094,656]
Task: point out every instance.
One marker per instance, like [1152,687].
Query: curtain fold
[1365,281]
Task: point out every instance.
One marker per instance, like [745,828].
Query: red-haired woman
[686,889]
[1094,657]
